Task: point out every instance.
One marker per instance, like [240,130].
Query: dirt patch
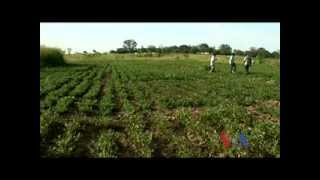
[196,112]
[172,116]
[195,138]
[272,103]
[147,119]
[158,145]
[116,127]
[125,148]
[104,81]
[88,133]
[253,110]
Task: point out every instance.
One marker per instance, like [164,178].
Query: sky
[110,36]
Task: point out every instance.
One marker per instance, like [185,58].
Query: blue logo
[241,142]
[244,141]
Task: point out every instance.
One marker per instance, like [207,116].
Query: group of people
[247,62]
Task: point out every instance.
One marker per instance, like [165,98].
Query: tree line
[130,46]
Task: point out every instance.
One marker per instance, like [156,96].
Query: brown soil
[252,110]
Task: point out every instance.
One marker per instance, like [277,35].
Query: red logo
[225,139]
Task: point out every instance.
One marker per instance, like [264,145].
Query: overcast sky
[109,36]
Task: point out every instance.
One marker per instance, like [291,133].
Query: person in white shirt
[247,63]
[213,59]
[232,63]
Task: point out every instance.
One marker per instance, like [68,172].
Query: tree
[252,52]
[194,49]
[173,49]
[239,52]
[144,50]
[122,50]
[212,49]
[160,49]
[263,53]
[166,50]
[203,47]
[225,49]
[130,45]
[184,49]
[275,54]
[69,51]
[95,52]
[85,52]
[152,48]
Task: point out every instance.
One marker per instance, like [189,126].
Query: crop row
[55,82]
[53,96]
[89,101]
[121,86]
[135,105]
[65,102]
[107,104]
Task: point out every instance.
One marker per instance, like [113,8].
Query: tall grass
[222,59]
[51,57]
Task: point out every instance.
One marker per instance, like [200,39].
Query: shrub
[51,57]
[86,105]
[107,104]
[66,143]
[260,59]
[64,103]
[105,146]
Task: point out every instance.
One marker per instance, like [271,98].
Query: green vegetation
[126,105]
[51,57]
[130,46]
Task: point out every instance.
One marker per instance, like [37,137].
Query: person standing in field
[213,59]
[247,63]
[232,63]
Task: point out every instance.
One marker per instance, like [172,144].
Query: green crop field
[111,106]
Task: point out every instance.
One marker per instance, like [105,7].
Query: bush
[51,57]
[105,146]
[260,59]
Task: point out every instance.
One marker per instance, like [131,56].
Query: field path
[104,83]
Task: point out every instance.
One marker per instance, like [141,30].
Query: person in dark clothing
[232,63]
[247,63]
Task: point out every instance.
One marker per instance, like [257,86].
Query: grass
[128,106]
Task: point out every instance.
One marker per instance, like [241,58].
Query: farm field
[127,106]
